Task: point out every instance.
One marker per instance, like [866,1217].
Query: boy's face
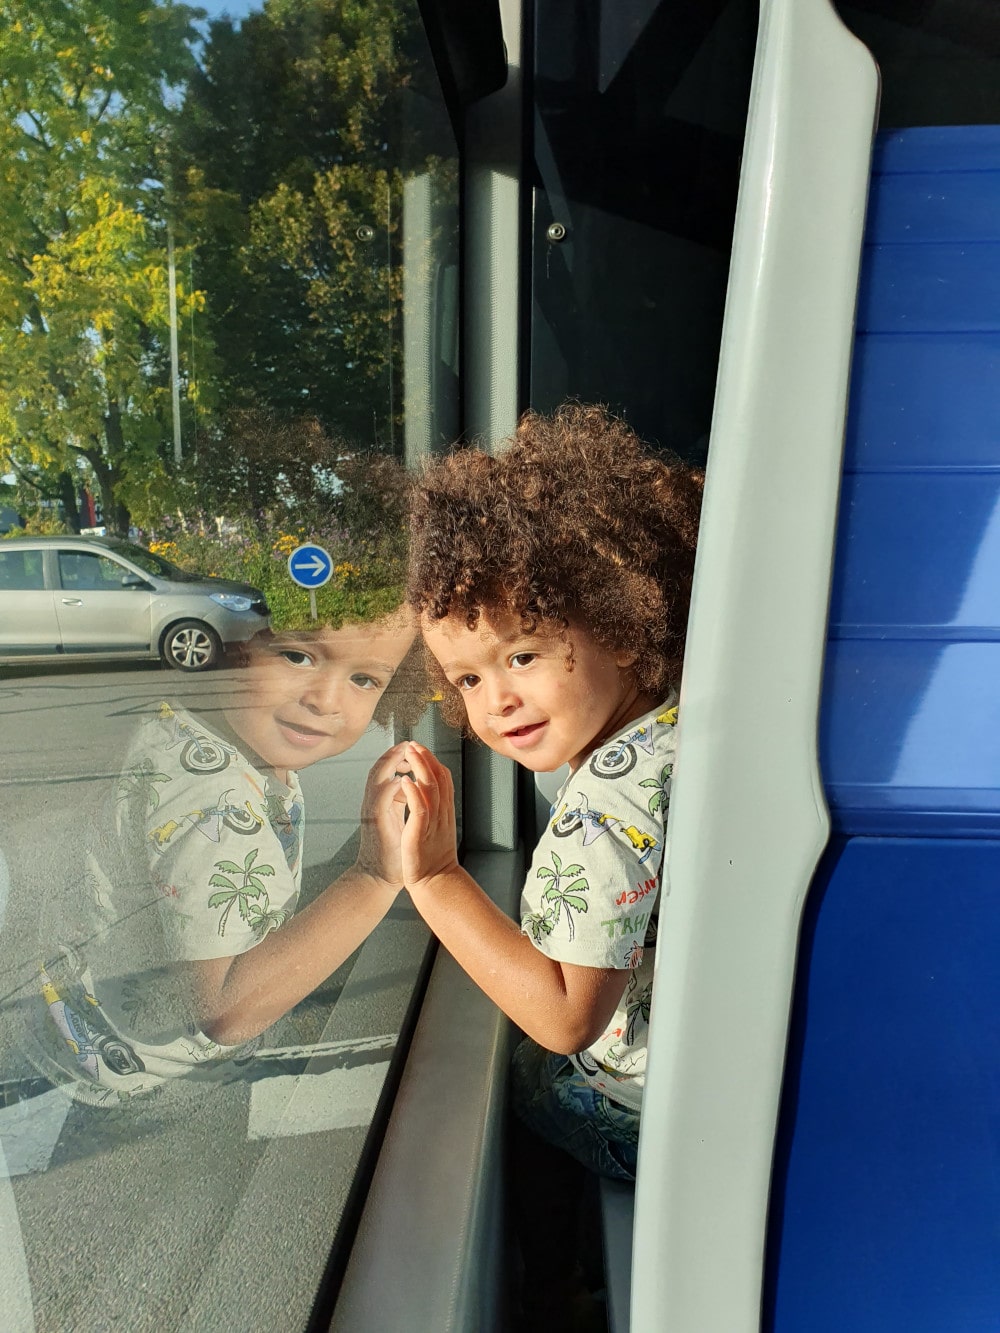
[308,695]
[519,695]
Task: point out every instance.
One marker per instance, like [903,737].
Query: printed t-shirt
[591,894]
[201,859]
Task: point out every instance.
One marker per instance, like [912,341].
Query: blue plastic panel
[911,705]
[922,751]
[918,289]
[886,1192]
[887,1183]
[946,205]
[937,148]
[911,404]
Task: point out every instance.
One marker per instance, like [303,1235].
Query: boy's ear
[623,660]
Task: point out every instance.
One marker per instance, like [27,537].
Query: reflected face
[522,695]
[309,695]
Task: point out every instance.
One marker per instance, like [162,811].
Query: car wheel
[191,645]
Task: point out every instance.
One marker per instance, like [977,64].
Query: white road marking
[29,1132]
[340,1098]
[15,1289]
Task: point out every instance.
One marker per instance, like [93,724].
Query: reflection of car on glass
[83,597]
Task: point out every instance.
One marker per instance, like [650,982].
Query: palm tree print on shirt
[558,896]
[660,798]
[246,895]
[138,785]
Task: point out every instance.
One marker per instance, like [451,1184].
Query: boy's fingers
[424,764]
[392,760]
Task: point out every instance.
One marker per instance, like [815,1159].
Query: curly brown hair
[574,521]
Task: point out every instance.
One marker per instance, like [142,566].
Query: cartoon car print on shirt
[619,758]
[201,754]
[210,823]
[88,1044]
[595,824]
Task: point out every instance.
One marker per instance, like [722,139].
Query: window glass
[638,136]
[940,63]
[81,569]
[21,571]
[228,321]
[152,564]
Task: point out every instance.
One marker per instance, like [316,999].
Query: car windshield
[152,564]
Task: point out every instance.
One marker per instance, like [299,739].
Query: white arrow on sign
[313,566]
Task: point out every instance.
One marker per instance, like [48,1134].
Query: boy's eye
[467,682]
[523,659]
[296,656]
[364,682]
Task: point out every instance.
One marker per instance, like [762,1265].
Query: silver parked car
[64,598]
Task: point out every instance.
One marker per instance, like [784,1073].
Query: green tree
[289,154]
[84,321]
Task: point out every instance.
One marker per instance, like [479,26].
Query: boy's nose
[501,700]
[323,695]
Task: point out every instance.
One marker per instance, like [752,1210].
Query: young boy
[553,584]
[192,945]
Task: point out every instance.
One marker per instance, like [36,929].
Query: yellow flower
[168,550]
[346,570]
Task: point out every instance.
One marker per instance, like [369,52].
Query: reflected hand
[429,844]
[382,813]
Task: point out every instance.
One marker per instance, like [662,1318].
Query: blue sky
[236,9]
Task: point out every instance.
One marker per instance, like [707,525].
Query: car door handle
[72,601]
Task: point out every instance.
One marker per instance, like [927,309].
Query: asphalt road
[164,1214]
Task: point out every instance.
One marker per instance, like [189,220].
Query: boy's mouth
[299,734]
[519,736]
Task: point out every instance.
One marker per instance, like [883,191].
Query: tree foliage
[274,153]
[288,150]
[84,327]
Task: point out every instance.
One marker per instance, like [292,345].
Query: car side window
[21,571]
[84,571]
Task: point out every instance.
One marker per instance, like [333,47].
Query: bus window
[230,321]
[938,62]
[639,116]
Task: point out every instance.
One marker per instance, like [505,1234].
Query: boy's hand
[429,843]
[382,819]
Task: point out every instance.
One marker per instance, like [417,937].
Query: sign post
[310,567]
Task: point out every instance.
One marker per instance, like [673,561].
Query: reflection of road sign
[310,566]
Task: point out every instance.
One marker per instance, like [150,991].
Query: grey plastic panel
[617,1212]
[748,819]
[490,380]
[430,1248]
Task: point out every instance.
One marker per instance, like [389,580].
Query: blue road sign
[310,566]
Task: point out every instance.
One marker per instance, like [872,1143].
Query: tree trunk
[114,515]
[67,495]
[117,518]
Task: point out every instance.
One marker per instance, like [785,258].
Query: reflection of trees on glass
[269,153]
[84,330]
[289,154]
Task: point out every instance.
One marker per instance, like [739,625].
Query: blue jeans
[556,1102]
